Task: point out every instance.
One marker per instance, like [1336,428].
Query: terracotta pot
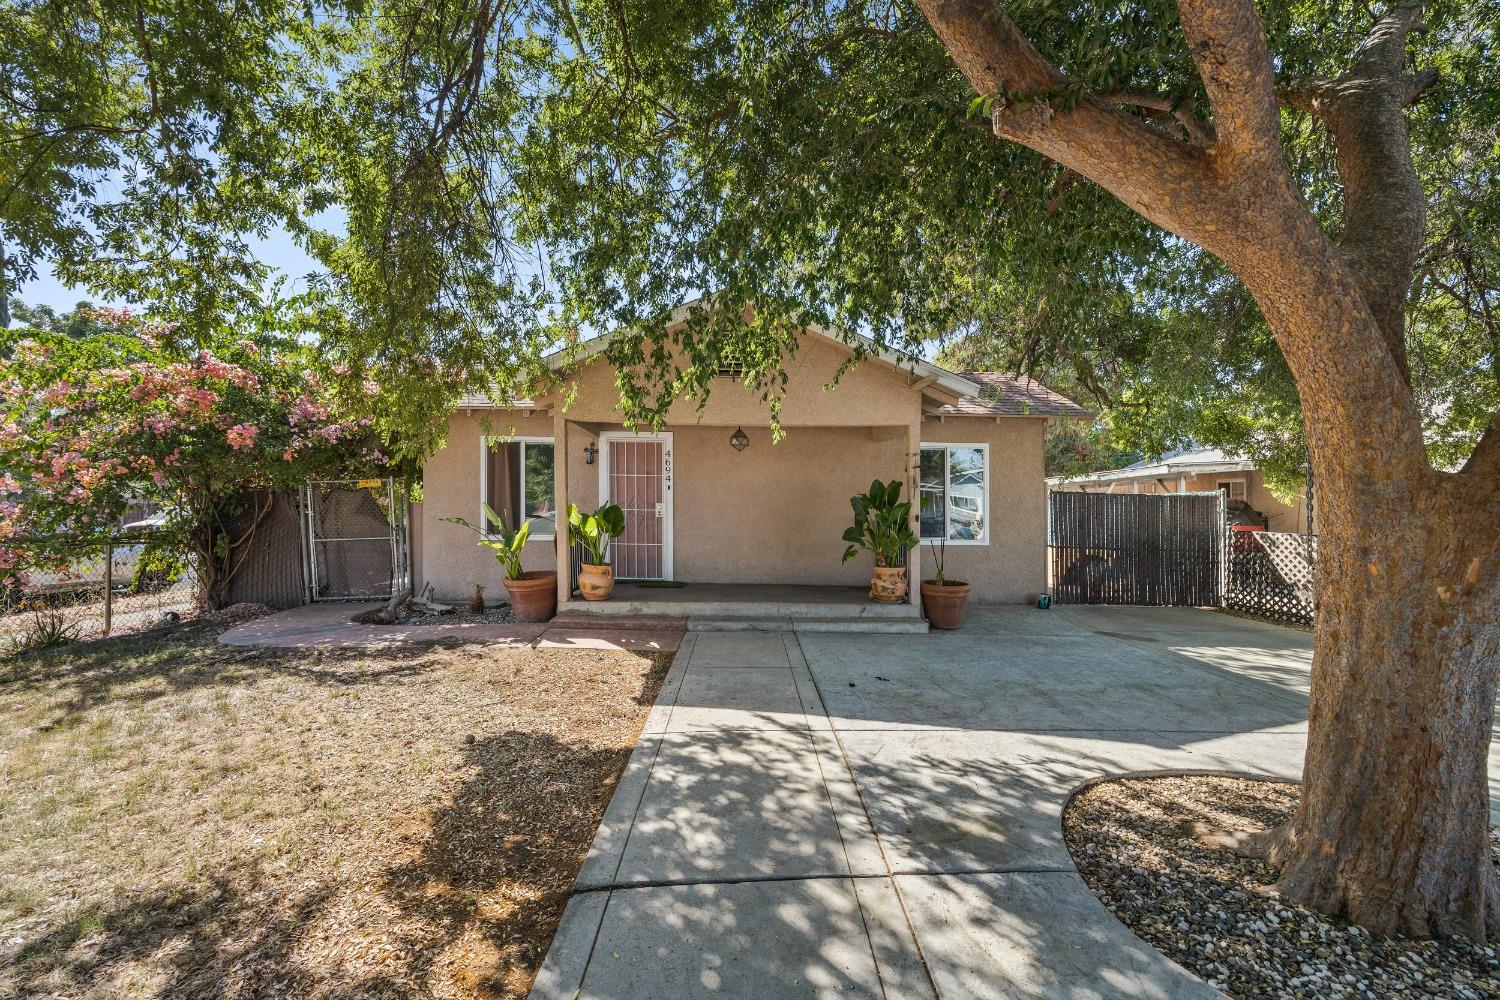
[534,596]
[595,582]
[888,585]
[943,603]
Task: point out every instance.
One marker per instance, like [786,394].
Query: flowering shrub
[87,426]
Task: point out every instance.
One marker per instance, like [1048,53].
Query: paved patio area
[331,625]
[818,815]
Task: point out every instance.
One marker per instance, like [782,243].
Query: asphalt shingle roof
[1009,395]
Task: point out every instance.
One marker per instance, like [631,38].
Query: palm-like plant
[506,544]
[882,524]
[595,531]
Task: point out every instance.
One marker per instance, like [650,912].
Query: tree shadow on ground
[169,661]
[471,910]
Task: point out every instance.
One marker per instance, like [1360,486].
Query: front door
[637,474]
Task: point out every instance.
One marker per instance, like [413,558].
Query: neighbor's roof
[1183,463]
[1011,395]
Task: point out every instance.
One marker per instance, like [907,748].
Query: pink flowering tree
[88,426]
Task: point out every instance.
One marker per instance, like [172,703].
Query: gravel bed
[502,614]
[1133,845]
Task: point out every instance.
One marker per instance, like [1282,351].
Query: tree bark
[1391,829]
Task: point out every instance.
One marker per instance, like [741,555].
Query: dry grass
[182,819]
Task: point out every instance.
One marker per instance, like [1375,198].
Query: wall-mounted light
[738,440]
[589,451]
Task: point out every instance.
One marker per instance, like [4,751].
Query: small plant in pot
[596,577]
[532,593]
[882,524]
[943,600]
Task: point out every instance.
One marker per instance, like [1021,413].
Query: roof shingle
[1009,395]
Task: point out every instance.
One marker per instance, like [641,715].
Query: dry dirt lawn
[182,819]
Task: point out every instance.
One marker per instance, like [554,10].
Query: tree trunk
[1392,828]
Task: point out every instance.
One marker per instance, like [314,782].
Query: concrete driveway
[819,815]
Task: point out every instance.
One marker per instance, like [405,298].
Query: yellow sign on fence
[371,484]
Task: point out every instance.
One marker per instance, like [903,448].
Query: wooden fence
[1148,548]
[1271,575]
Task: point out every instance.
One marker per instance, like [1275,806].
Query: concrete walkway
[879,816]
[331,625]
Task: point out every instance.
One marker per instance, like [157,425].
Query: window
[1233,489]
[954,492]
[515,479]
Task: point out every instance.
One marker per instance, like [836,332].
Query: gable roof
[961,393]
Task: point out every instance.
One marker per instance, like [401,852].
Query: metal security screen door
[637,475]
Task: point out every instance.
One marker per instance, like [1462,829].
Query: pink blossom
[242,435]
[160,423]
[8,484]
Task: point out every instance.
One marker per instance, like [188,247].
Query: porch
[753,607]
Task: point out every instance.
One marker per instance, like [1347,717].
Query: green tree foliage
[507,174]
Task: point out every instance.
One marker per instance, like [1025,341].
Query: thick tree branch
[1163,178]
[1228,43]
[1483,465]
[1385,207]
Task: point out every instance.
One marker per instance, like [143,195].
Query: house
[710,499]
[1199,471]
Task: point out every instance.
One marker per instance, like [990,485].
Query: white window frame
[946,447]
[485,440]
[1231,484]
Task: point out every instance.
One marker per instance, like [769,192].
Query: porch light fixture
[589,451]
[738,440]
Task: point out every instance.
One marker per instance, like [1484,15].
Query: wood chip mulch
[1133,843]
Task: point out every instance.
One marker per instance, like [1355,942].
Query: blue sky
[276,250]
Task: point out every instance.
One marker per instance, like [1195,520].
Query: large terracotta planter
[534,596]
[943,603]
[596,582]
[888,585]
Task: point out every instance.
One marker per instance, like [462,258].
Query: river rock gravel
[1133,844]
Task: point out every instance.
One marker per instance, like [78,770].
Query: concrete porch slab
[740,600]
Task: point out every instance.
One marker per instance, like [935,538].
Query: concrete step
[740,609]
[763,623]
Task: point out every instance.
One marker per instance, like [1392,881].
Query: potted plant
[532,593]
[596,577]
[882,524]
[943,600]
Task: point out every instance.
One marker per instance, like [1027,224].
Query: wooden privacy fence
[1127,548]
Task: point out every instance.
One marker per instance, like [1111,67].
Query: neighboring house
[1200,471]
[710,499]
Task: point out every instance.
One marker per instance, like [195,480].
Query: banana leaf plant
[506,543]
[882,524]
[595,531]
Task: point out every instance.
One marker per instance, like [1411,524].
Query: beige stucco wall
[1012,567]
[773,513]
[871,393]
[451,558]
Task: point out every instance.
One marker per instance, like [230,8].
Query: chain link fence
[109,588]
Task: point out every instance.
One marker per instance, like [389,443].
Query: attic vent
[730,368]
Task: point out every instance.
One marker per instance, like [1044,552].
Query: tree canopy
[507,173]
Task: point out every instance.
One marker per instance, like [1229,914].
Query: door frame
[665,438]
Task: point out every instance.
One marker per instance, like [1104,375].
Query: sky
[277,250]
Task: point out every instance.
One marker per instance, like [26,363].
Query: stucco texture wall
[451,558]
[1012,567]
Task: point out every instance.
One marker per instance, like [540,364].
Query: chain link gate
[355,539]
